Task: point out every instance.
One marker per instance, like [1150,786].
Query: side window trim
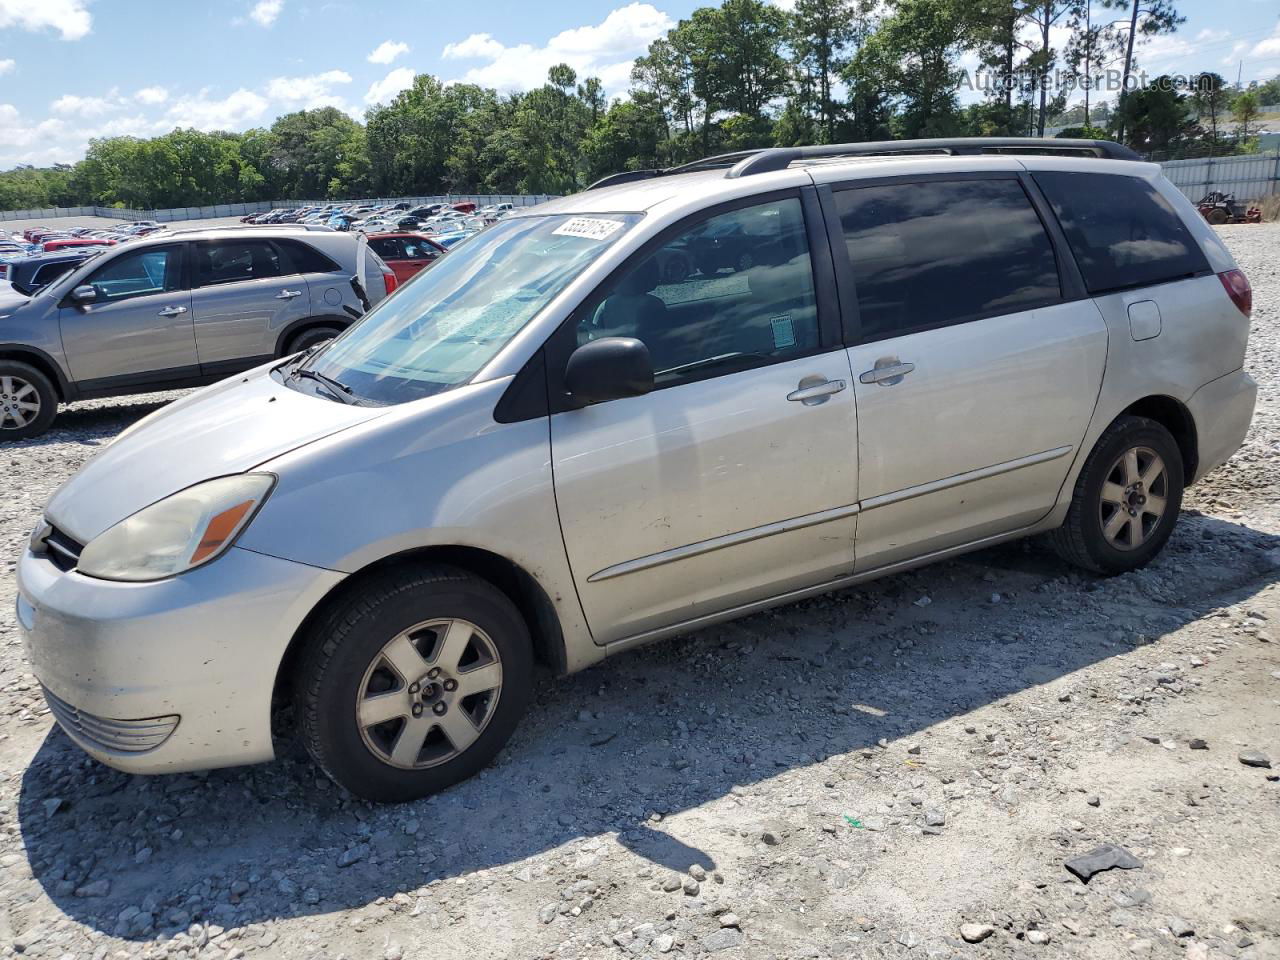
[1069,275]
[562,342]
[847,291]
[844,267]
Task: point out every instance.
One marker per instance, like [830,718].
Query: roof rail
[744,163]
[315,227]
[779,158]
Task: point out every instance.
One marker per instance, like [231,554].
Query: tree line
[740,75]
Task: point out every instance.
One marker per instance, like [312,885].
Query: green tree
[820,32]
[1155,118]
[1147,18]
[1211,98]
[916,49]
[1245,110]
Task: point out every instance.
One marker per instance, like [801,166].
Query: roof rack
[313,227]
[745,163]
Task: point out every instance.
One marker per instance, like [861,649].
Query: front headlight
[177,533]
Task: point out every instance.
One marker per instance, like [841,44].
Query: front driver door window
[735,479]
[138,328]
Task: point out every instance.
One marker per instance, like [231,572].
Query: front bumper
[1222,410]
[172,675]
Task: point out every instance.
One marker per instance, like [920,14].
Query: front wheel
[413,683]
[1126,499]
[28,402]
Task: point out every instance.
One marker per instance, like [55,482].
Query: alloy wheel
[1134,498]
[19,403]
[429,694]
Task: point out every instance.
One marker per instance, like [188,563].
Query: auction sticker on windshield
[590,228]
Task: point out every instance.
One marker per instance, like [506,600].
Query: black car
[29,274]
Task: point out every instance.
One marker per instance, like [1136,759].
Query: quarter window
[388,248]
[139,274]
[1121,230]
[936,252]
[234,261]
[734,291]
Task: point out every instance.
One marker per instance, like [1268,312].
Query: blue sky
[75,69]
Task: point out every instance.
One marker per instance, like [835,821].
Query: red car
[405,253]
[62,244]
[466,206]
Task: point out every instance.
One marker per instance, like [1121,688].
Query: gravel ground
[892,771]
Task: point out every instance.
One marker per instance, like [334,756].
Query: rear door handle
[816,393]
[172,311]
[887,375]
[288,294]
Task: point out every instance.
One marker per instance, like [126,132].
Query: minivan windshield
[446,324]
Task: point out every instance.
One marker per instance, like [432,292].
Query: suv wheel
[1126,500]
[28,402]
[413,683]
[309,338]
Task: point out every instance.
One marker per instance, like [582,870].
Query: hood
[228,428]
[10,299]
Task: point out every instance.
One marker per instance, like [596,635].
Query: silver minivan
[546,448]
[176,310]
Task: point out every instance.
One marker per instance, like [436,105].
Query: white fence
[1249,177]
[243,209]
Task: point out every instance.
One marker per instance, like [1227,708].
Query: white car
[881,355]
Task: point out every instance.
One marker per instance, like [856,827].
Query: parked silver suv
[176,310]
[544,449]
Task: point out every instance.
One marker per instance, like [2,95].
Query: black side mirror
[609,369]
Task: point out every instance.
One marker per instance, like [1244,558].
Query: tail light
[390,280]
[1237,286]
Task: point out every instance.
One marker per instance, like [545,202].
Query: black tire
[1081,539]
[1217,216]
[349,640]
[309,338]
[27,385]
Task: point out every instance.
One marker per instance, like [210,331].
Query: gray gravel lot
[892,771]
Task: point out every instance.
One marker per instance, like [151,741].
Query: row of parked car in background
[406,236]
[448,224]
[39,255]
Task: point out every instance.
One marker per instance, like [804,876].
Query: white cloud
[309,92]
[383,90]
[68,17]
[605,50]
[1209,35]
[1269,47]
[265,12]
[235,112]
[84,106]
[387,51]
[478,46]
[40,143]
[6,66]
[151,95]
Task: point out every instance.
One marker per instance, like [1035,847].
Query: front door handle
[814,393]
[887,372]
[172,311]
[288,294]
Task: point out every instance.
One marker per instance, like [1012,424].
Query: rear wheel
[413,683]
[1126,500]
[28,402]
[1217,216]
[309,338]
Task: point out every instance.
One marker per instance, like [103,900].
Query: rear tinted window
[944,251]
[1122,231]
[305,258]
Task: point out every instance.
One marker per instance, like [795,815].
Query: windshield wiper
[336,388]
